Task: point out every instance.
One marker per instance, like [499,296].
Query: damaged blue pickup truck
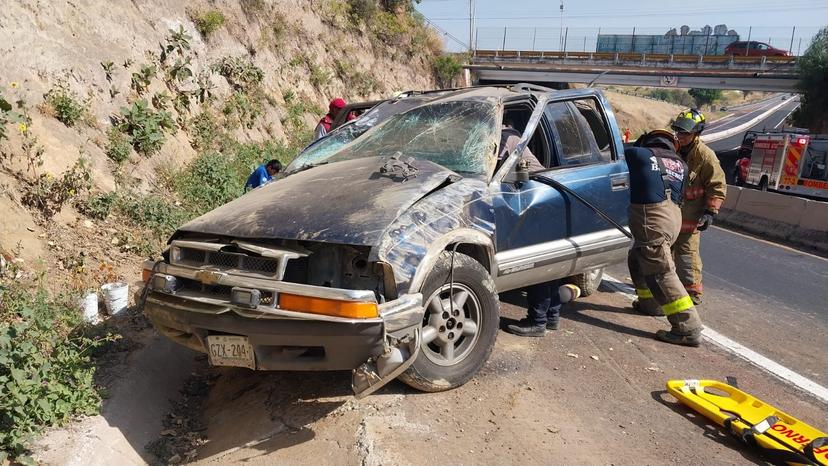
[384,246]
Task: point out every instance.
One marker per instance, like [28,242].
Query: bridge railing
[631,58]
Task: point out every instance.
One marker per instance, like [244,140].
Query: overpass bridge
[775,74]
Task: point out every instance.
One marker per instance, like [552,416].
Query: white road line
[786,116]
[742,351]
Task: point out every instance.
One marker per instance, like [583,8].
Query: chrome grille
[228,261]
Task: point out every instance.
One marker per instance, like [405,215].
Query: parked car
[754,49]
[383,251]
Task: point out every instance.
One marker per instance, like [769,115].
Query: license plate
[227,350]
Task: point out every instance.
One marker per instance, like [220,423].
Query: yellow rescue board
[752,419]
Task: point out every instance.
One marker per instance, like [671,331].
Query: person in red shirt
[740,171]
[325,123]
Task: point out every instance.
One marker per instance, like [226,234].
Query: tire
[588,281]
[437,368]
[763,184]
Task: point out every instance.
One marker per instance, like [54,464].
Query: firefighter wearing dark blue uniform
[657,178]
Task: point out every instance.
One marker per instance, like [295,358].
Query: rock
[115,242]
[572,355]
[88,224]
[594,357]
[553,430]
[30,229]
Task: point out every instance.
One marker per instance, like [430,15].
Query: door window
[580,132]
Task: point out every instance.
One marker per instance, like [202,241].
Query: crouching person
[657,177]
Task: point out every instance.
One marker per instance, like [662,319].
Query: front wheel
[459,325]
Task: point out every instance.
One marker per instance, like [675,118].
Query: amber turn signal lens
[329,307]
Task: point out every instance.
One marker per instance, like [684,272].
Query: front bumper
[284,340]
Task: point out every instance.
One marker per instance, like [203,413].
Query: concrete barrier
[815,216]
[771,206]
[789,219]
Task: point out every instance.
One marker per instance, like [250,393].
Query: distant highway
[727,148]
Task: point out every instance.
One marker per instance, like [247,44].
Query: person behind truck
[324,127]
[262,174]
[509,139]
[657,178]
[544,299]
[704,194]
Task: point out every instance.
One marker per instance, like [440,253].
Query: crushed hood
[348,202]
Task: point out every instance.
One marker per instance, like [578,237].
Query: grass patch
[64,104]
[209,22]
[118,146]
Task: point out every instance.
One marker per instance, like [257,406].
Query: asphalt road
[726,149]
[767,297]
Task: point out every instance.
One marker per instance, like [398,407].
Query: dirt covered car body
[383,254]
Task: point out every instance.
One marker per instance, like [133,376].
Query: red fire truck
[790,163]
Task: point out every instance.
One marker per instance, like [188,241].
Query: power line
[604,14]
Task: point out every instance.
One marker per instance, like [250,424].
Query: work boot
[525,328]
[696,298]
[693,340]
[648,307]
[686,329]
[553,324]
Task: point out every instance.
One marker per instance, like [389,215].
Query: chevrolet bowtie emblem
[209,277]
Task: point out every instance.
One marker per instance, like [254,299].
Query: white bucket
[89,308]
[116,297]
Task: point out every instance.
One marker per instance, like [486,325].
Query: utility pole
[471,27]
[790,47]
[561,39]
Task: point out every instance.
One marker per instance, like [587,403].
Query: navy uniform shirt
[646,183]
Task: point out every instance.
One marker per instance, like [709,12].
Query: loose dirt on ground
[592,392]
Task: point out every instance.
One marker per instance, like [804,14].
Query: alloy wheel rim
[450,333]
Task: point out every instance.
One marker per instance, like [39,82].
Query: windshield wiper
[307,166]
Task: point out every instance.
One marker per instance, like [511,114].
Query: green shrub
[813,75]
[674,96]
[240,72]
[144,126]
[46,377]
[142,78]
[446,68]
[318,76]
[152,212]
[48,194]
[364,84]
[209,22]
[361,11]
[208,182]
[204,130]
[118,146]
[98,206]
[705,96]
[389,28]
[64,103]
[247,107]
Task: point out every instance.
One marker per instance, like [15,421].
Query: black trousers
[544,302]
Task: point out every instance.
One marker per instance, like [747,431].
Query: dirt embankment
[641,115]
[107,55]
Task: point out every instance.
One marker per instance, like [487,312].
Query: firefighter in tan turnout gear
[704,194]
[657,178]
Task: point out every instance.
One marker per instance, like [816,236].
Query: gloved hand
[706,220]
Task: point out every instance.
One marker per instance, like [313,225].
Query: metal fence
[634,39]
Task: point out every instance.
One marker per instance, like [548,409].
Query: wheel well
[475,251]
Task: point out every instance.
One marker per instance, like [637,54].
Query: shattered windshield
[459,135]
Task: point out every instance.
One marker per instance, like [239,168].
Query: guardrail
[638,58]
[791,219]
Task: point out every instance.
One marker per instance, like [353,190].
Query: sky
[538,22]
